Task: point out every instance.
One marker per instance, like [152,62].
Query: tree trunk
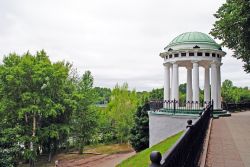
[81,149]
[50,155]
[50,152]
[81,146]
[34,126]
[26,143]
[32,163]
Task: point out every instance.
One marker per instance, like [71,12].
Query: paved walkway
[229,144]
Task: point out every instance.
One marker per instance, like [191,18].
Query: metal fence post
[174,106]
[212,108]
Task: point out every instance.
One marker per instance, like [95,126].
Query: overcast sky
[118,41]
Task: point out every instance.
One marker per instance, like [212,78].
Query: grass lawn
[141,159]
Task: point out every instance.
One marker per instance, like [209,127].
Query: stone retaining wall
[162,126]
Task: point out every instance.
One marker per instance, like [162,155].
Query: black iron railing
[236,106]
[186,152]
[174,106]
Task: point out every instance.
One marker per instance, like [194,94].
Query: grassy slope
[141,159]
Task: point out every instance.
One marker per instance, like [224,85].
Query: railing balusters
[236,106]
[177,107]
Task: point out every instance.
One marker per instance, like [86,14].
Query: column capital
[166,64]
[189,67]
[195,61]
[163,54]
[173,62]
[175,65]
[206,66]
[216,63]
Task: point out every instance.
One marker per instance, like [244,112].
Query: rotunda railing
[177,107]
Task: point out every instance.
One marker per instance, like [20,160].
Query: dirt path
[97,160]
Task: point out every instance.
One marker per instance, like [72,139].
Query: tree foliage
[34,101]
[103,95]
[232,27]
[85,115]
[106,132]
[233,94]
[140,132]
[38,101]
[156,94]
[9,149]
[45,107]
[121,108]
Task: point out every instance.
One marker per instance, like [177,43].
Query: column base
[221,113]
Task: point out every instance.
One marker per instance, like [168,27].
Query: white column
[177,94]
[175,82]
[166,82]
[207,85]
[195,81]
[219,85]
[171,73]
[214,85]
[189,92]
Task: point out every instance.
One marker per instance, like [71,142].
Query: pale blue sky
[118,41]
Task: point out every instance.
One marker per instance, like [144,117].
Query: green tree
[182,88]
[182,94]
[232,27]
[33,92]
[233,94]
[156,94]
[143,97]
[140,132]
[121,108]
[85,116]
[106,132]
[227,91]
[9,149]
[103,95]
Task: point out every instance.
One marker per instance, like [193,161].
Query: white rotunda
[192,50]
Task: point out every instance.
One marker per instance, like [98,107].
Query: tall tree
[33,92]
[140,132]
[232,27]
[121,108]
[227,90]
[85,116]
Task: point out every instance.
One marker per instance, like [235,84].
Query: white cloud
[119,41]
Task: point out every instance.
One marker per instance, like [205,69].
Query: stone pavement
[229,144]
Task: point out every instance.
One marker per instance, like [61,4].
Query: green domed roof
[194,38]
